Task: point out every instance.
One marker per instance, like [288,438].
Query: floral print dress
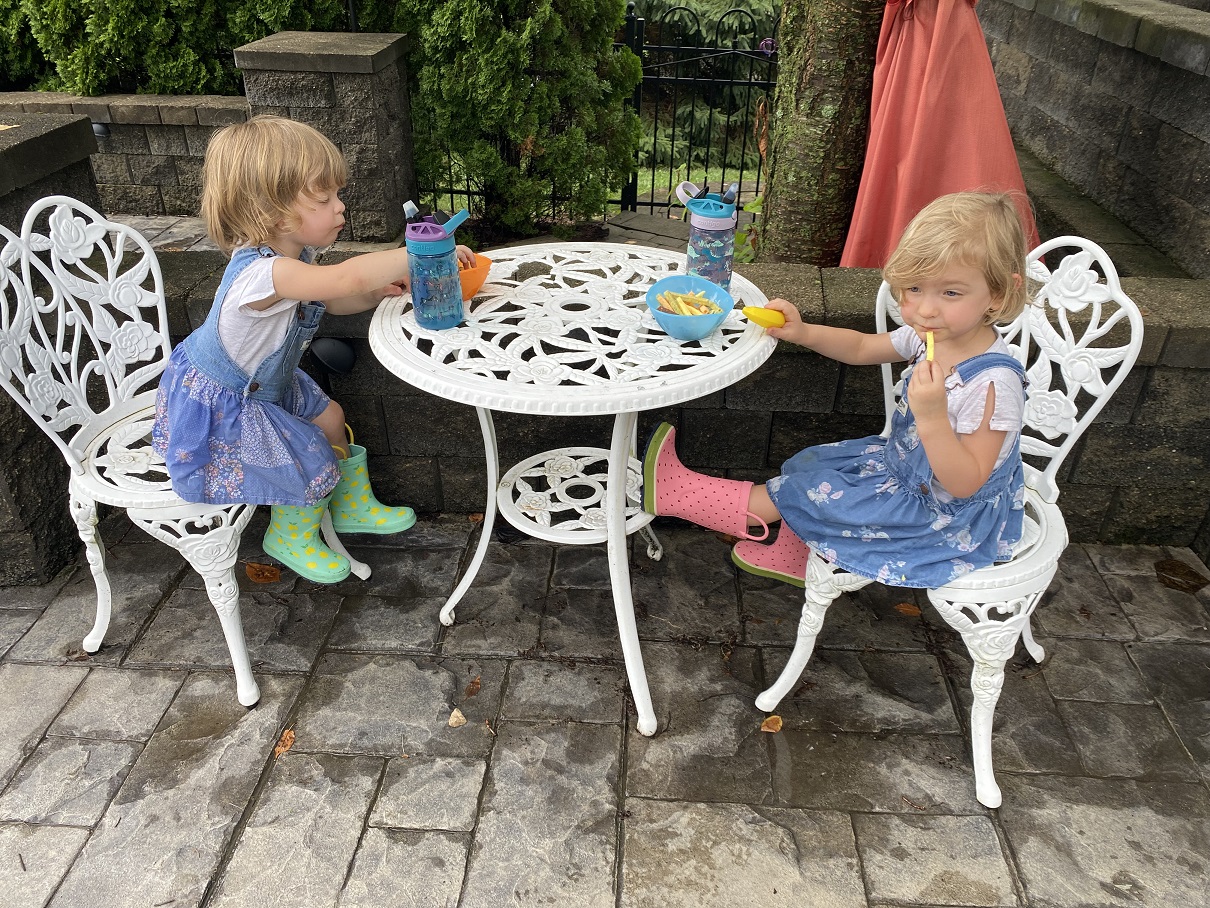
[870,506]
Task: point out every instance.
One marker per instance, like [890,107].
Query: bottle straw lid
[427,237]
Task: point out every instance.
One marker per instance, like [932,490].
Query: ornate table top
[563,328]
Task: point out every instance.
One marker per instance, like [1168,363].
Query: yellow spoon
[766,318]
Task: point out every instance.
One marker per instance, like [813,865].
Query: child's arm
[354,285]
[960,463]
[843,344]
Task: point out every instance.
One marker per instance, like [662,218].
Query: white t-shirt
[250,335]
[966,404]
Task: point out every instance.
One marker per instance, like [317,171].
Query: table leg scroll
[619,570]
[492,455]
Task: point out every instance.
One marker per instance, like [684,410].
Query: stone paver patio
[132,777]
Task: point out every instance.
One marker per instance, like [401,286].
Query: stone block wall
[1141,475]
[1113,97]
[149,148]
[351,87]
[40,155]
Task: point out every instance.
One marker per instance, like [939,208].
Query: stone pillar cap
[321,52]
[36,145]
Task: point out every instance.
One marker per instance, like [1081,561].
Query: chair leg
[209,541]
[84,513]
[1036,652]
[358,569]
[991,640]
[824,582]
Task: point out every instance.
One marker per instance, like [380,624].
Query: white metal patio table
[564,329]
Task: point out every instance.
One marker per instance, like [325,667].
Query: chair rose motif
[1077,341]
[83,341]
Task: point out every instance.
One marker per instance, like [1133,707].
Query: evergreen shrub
[527,100]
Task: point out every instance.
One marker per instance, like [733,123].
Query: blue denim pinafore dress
[868,504]
[229,437]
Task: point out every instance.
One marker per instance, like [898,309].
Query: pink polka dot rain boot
[670,489]
[785,559]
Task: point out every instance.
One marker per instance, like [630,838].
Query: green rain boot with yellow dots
[354,507]
[293,539]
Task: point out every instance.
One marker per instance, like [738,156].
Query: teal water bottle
[712,223]
[433,271]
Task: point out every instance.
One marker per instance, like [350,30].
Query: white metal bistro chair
[1077,340]
[83,340]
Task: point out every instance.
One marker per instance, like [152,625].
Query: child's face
[952,304]
[322,215]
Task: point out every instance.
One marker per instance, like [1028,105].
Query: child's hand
[465,256]
[789,330]
[926,392]
[396,289]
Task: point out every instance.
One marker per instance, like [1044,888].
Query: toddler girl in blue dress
[943,495]
[236,420]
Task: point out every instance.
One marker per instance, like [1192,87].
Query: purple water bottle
[712,223]
[433,270]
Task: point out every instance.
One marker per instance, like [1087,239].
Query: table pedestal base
[576,496]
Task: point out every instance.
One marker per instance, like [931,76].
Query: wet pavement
[132,777]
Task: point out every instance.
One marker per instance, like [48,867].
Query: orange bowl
[473,277]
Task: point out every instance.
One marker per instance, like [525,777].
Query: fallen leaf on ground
[473,687]
[284,743]
[1177,575]
[475,518]
[262,573]
[907,608]
[772,724]
[457,720]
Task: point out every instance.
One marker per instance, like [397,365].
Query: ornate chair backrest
[1077,339]
[83,321]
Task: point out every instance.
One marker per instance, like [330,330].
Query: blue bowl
[689,327]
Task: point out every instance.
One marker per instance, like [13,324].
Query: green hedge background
[525,100]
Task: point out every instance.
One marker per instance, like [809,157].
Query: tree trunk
[821,114]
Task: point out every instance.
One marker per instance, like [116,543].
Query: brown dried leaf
[262,573]
[475,518]
[457,720]
[907,608]
[472,688]
[772,724]
[284,743]
[1177,575]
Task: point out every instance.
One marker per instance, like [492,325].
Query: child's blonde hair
[253,174]
[978,229]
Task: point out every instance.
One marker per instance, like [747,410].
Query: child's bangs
[325,166]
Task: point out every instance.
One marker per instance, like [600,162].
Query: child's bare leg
[332,423]
[760,504]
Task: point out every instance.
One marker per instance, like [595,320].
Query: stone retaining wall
[1112,96]
[1142,474]
[149,148]
[350,86]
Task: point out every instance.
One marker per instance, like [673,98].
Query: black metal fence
[703,100]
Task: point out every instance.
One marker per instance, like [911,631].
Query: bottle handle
[686,191]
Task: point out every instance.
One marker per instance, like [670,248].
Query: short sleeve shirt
[967,403]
